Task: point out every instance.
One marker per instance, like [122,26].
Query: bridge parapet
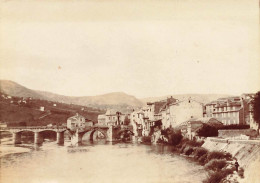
[33,129]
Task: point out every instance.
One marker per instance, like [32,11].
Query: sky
[144,48]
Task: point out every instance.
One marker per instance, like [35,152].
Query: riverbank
[247,153]
[5,150]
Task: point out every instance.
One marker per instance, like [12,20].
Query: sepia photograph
[129,91]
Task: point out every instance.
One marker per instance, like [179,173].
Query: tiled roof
[158,106]
[76,116]
[206,120]
[111,112]
[101,116]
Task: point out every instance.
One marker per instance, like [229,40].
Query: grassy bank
[220,165]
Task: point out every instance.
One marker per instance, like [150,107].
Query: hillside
[17,113]
[116,100]
[203,98]
[110,100]
[14,89]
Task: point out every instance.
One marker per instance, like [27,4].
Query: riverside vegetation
[218,164]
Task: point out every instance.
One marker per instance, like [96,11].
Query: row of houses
[78,121]
[232,110]
[112,117]
[172,113]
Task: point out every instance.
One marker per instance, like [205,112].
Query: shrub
[199,152]
[188,150]
[146,139]
[202,160]
[216,164]
[207,131]
[241,172]
[218,155]
[175,138]
[194,143]
[216,177]
[234,126]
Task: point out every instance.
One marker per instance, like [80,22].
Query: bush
[146,139]
[202,160]
[241,172]
[234,127]
[199,152]
[194,143]
[188,150]
[174,136]
[208,131]
[216,177]
[216,164]
[218,155]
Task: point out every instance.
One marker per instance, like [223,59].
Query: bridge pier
[60,137]
[76,138]
[111,135]
[38,138]
[17,138]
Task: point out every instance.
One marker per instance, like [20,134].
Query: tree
[126,121]
[207,131]
[256,109]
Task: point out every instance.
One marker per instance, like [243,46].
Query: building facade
[232,110]
[184,110]
[112,117]
[146,118]
[77,121]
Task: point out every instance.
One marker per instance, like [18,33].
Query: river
[99,162]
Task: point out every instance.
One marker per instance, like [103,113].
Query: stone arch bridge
[111,133]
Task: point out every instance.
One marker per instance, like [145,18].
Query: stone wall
[247,153]
[236,133]
[244,150]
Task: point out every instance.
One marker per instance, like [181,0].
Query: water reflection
[98,161]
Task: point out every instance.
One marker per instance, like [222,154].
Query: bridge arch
[92,131]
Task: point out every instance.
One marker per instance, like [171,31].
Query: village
[233,114]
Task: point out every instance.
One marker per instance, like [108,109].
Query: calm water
[98,162]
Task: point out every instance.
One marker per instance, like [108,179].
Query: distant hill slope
[203,98]
[29,113]
[14,89]
[116,99]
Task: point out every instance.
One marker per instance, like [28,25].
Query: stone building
[146,118]
[137,121]
[184,110]
[77,121]
[102,119]
[232,110]
[190,128]
[112,117]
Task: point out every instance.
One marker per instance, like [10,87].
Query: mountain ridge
[115,100]
[109,99]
